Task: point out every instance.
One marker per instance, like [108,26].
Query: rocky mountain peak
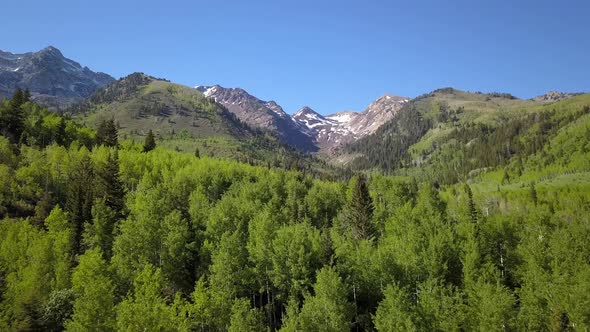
[53,79]
[306,127]
[305,112]
[50,51]
[259,113]
[334,130]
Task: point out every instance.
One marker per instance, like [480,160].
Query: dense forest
[99,233]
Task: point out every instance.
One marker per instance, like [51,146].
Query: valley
[141,204]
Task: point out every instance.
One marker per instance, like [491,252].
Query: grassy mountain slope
[139,102]
[184,119]
[450,135]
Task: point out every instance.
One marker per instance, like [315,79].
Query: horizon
[331,57]
[304,106]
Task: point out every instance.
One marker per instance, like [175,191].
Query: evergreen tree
[470,204]
[18,98]
[26,96]
[533,193]
[80,196]
[109,186]
[42,209]
[356,219]
[100,232]
[58,309]
[150,142]
[106,134]
[12,118]
[60,133]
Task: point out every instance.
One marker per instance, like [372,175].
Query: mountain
[306,129]
[336,130]
[184,119]
[140,102]
[53,79]
[328,132]
[376,114]
[260,114]
[450,135]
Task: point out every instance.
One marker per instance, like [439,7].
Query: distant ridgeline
[484,225]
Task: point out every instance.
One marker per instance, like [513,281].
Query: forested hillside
[449,135]
[103,234]
[183,119]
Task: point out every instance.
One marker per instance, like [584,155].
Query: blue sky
[330,55]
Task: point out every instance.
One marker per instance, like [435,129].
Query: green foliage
[58,309]
[94,307]
[146,309]
[80,195]
[395,311]
[105,238]
[12,117]
[150,142]
[244,318]
[100,231]
[328,309]
[296,254]
[356,219]
[106,133]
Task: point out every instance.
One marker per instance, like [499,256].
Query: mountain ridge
[325,133]
[52,79]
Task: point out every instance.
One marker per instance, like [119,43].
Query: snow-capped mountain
[53,79]
[306,129]
[335,130]
[261,114]
[329,131]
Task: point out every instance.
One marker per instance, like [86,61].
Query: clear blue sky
[330,55]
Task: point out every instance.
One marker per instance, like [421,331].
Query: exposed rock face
[335,130]
[306,129]
[328,132]
[379,112]
[553,96]
[53,79]
[261,114]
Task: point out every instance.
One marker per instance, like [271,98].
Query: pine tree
[80,196]
[150,142]
[60,134]
[26,96]
[109,186]
[101,133]
[12,121]
[356,218]
[470,204]
[533,193]
[107,134]
[18,98]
